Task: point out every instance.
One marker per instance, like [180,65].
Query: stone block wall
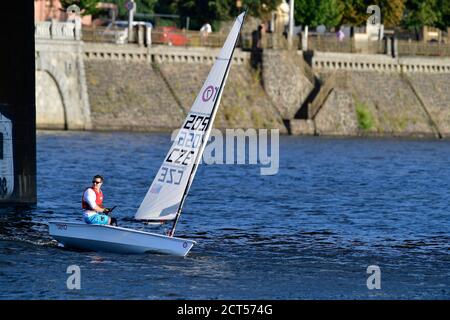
[434,90]
[337,116]
[388,103]
[284,81]
[154,91]
[151,89]
[244,103]
[130,96]
[406,96]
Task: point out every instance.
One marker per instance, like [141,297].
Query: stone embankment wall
[130,96]
[154,89]
[379,95]
[434,92]
[286,81]
[388,104]
[131,87]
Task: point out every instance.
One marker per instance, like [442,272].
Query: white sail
[171,184]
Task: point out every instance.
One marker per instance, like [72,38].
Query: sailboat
[167,193]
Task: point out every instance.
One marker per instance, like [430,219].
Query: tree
[391,11]
[143,6]
[87,7]
[354,12]
[146,6]
[444,14]
[164,7]
[419,13]
[218,9]
[261,8]
[202,11]
[318,12]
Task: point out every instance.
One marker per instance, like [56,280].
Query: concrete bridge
[61,94]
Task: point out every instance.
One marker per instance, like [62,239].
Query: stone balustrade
[326,61]
[157,53]
[69,30]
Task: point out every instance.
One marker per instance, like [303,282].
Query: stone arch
[61,84]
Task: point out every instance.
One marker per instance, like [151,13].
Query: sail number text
[177,156]
[189,139]
[180,156]
[170,175]
[196,122]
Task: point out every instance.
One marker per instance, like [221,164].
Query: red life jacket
[98,199]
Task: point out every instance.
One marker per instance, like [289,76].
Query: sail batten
[169,188]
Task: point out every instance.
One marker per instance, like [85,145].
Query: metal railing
[333,44]
[186,38]
[418,48]
[158,36]
[270,41]
[100,34]
[216,40]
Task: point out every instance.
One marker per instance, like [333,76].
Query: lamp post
[131,7]
[291,21]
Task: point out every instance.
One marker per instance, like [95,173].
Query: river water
[335,207]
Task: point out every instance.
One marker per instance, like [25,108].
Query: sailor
[92,204]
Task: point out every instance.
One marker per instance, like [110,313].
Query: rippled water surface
[310,232]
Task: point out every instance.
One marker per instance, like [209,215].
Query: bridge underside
[17,104]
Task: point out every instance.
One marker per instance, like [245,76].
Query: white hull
[116,239]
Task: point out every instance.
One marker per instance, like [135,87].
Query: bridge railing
[69,30]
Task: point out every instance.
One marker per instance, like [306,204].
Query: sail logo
[209,92]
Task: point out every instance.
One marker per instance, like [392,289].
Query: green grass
[365,118]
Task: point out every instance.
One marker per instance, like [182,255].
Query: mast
[207,132]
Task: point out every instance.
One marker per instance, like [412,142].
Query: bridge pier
[17,105]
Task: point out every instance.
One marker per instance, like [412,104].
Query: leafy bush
[365,118]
